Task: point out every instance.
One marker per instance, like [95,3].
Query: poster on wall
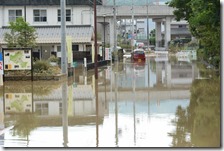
[18,102]
[17,59]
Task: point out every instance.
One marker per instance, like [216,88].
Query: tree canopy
[204,21]
[21,34]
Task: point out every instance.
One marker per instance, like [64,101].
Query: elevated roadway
[154,11]
[160,14]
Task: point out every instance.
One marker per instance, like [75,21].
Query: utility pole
[147,25]
[95,41]
[132,20]
[64,61]
[115,33]
[104,43]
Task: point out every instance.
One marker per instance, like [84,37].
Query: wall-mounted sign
[17,59]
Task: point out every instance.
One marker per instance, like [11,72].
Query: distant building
[179,29]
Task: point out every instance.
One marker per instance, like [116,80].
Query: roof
[46,35]
[79,93]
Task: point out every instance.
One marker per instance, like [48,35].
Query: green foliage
[180,133]
[152,40]
[24,124]
[204,21]
[201,119]
[182,11]
[41,66]
[125,46]
[53,58]
[21,34]
[205,112]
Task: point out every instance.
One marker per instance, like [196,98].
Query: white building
[44,15]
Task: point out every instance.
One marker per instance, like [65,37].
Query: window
[42,108]
[40,15]
[13,14]
[75,47]
[68,15]
[182,26]
[141,30]
[58,48]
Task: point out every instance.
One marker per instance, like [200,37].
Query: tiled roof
[79,34]
[81,92]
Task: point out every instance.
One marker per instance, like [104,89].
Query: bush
[41,65]
[53,58]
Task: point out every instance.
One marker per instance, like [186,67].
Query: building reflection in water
[132,109]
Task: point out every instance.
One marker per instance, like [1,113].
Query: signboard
[1,64]
[69,49]
[17,59]
[18,102]
[107,54]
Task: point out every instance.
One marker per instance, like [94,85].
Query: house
[44,15]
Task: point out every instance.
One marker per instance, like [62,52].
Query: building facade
[45,16]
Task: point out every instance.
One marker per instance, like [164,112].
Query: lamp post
[104,43]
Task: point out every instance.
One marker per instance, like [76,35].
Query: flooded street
[162,102]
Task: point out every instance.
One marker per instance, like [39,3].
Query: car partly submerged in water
[138,55]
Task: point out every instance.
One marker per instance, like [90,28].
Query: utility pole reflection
[97,111]
[134,81]
[105,86]
[148,87]
[116,110]
[65,113]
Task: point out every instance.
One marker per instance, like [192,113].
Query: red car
[138,55]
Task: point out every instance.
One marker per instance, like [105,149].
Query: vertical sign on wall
[1,64]
[69,49]
[1,69]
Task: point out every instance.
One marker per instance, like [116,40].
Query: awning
[51,35]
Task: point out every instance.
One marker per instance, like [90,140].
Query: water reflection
[130,105]
[199,123]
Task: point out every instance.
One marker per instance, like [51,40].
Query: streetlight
[104,44]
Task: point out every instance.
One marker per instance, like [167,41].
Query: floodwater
[162,102]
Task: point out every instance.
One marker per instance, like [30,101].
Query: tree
[152,39]
[21,34]
[204,21]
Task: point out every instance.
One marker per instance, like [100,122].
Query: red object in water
[138,55]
